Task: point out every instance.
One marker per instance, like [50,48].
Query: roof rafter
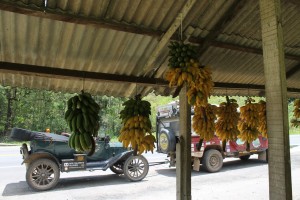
[75,74]
[71,18]
[292,71]
[237,47]
[33,70]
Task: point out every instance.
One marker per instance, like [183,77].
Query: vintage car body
[49,154]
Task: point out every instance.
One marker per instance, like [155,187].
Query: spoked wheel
[117,168]
[136,168]
[42,174]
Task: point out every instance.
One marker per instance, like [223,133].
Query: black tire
[42,174]
[212,160]
[245,157]
[117,168]
[166,141]
[136,168]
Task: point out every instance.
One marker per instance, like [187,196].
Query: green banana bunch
[83,120]
[135,107]
[82,142]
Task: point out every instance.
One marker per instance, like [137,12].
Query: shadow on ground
[22,188]
[227,166]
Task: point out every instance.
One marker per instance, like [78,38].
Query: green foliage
[39,109]
[110,123]
[216,100]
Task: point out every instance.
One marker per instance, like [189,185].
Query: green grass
[294,131]
[7,140]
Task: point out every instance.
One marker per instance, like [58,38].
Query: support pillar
[183,149]
[280,184]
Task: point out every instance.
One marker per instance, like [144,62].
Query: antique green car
[49,154]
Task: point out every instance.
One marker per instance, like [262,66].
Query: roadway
[237,179]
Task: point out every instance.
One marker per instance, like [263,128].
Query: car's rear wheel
[42,174]
[136,168]
[117,168]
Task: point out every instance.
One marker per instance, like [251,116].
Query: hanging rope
[181,27]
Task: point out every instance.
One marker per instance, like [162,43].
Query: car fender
[38,155]
[122,156]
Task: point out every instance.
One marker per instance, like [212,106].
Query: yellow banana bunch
[136,125]
[147,144]
[228,117]
[204,121]
[297,108]
[177,76]
[249,121]
[262,113]
[199,91]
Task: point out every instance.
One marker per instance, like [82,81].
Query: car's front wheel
[117,168]
[136,168]
[42,174]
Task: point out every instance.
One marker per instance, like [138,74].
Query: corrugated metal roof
[73,35]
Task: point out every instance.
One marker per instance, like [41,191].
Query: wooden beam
[104,77]
[183,149]
[220,25]
[71,18]
[237,47]
[166,37]
[75,74]
[280,179]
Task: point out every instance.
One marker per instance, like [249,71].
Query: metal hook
[45,3]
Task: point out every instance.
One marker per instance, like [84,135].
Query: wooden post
[280,184]
[183,149]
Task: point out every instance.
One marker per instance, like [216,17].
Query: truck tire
[166,141]
[212,160]
[42,174]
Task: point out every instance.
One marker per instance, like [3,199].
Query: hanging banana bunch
[204,121]
[184,68]
[83,120]
[297,108]
[262,114]
[136,130]
[228,117]
[296,115]
[249,121]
